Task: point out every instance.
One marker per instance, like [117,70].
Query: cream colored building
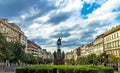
[112,41]
[69,55]
[8,31]
[98,45]
[12,32]
[83,50]
[90,49]
[87,49]
[75,56]
[76,53]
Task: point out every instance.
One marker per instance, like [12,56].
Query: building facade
[44,54]
[87,49]
[76,53]
[68,55]
[33,49]
[12,32]
[112,41]
[98,45]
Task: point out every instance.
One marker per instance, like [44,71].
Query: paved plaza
[6,72]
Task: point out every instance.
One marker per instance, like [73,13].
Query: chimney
[5,20]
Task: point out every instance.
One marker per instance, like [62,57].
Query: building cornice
[7,24]
[114,29]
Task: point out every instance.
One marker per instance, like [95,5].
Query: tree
[82,60]
[2,46]
[5,53]
[86,60]
[18,51]
[113,59]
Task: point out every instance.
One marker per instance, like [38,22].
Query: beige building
[12,32]
[33,49]
[8,31]
[112,41]
[76,53]
[87,49]
[69,55]
[90,49]
[83,50]
[98,45]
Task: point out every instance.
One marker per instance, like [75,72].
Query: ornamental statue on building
[58,56]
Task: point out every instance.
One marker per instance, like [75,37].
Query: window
[115,44]
[119,42]
[119,52]
[105,46]
[114,36]
[117,35]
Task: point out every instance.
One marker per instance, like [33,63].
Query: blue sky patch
[88,8]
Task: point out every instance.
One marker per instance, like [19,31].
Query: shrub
[63,69]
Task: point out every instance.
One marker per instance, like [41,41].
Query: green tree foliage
[113,59]
[18,51]
[15,52]
[2,46]
[82,61]
[5,52]
[87,60]
[70,61]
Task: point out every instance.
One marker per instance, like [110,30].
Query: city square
[60,36]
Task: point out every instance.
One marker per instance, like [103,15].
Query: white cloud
[107,7]
[41,29]
[100,2]
[29,13]
[71,6]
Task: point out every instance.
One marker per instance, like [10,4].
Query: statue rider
[59,41]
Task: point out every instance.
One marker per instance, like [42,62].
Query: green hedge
[63,69]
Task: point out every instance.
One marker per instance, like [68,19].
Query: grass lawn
[63,66]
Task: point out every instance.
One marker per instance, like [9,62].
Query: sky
[78,22]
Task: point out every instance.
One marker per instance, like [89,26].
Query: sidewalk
[6,72]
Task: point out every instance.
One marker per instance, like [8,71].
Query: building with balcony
[33,49]
[12,32]
[98,45]
[87,49]
[112,41]
[90,49]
